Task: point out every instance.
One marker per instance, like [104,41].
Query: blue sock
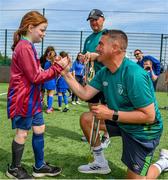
[59,100]
[65,98]
[50,102]
[38,148]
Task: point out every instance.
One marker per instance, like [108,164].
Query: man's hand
[65,63]
[91,56]
[102,112]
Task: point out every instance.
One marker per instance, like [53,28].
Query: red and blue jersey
[26,77]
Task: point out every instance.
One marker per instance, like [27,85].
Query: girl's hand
[65,63]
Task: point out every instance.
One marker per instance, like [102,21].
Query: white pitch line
[3,94]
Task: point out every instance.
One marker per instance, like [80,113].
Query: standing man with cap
[96,19]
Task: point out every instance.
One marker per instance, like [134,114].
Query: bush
[5,61]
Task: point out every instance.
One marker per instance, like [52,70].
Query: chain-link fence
[72,42]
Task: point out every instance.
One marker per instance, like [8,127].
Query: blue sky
[76,20]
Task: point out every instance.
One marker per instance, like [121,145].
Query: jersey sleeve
[31,69]
[139,87]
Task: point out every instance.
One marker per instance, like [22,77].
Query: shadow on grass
[5,158]
[54,131]
[70,163]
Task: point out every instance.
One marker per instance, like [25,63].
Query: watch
[115,116]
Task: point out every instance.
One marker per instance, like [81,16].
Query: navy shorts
[137,154]
[61,90]
[25,123]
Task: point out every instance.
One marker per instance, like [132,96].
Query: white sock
[98,154]
[158,167]
[161,164]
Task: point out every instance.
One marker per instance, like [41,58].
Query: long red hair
[31,18]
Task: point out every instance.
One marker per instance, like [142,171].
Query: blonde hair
[31,18]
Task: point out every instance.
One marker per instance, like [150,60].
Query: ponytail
[16,38]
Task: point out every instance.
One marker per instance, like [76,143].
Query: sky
[143,16]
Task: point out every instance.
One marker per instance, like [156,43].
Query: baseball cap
[95,14]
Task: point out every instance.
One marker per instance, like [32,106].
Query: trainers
[49,111]
[73,102]
[163,160]
[46,170]
[60,109]
[95,168]
[65,109]
[17,173]
[83,138]
[77,102]
[105,141]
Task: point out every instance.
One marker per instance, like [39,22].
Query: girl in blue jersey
[50,85]
[62,87]
[78,71]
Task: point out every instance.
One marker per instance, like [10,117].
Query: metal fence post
[81,37]
[42,43]
[161,47]
[5,55]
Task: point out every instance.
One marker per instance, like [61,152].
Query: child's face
[51,55]
[147,64]
[37,33]
[80,57]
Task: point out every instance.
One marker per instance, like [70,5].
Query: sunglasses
[137,54]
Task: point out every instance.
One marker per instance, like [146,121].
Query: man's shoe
[65,109]
[105,141]
[95,168]
[17,173]
[73,102]
[46,170]
[163,160]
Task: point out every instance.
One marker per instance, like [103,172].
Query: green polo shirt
[90,45]
[129,88]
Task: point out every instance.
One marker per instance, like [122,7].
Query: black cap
[95,14]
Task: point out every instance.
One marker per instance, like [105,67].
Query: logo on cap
[92,12]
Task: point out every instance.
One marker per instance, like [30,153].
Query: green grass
[62,142]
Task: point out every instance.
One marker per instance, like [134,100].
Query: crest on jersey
[120,89]
[105,83]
